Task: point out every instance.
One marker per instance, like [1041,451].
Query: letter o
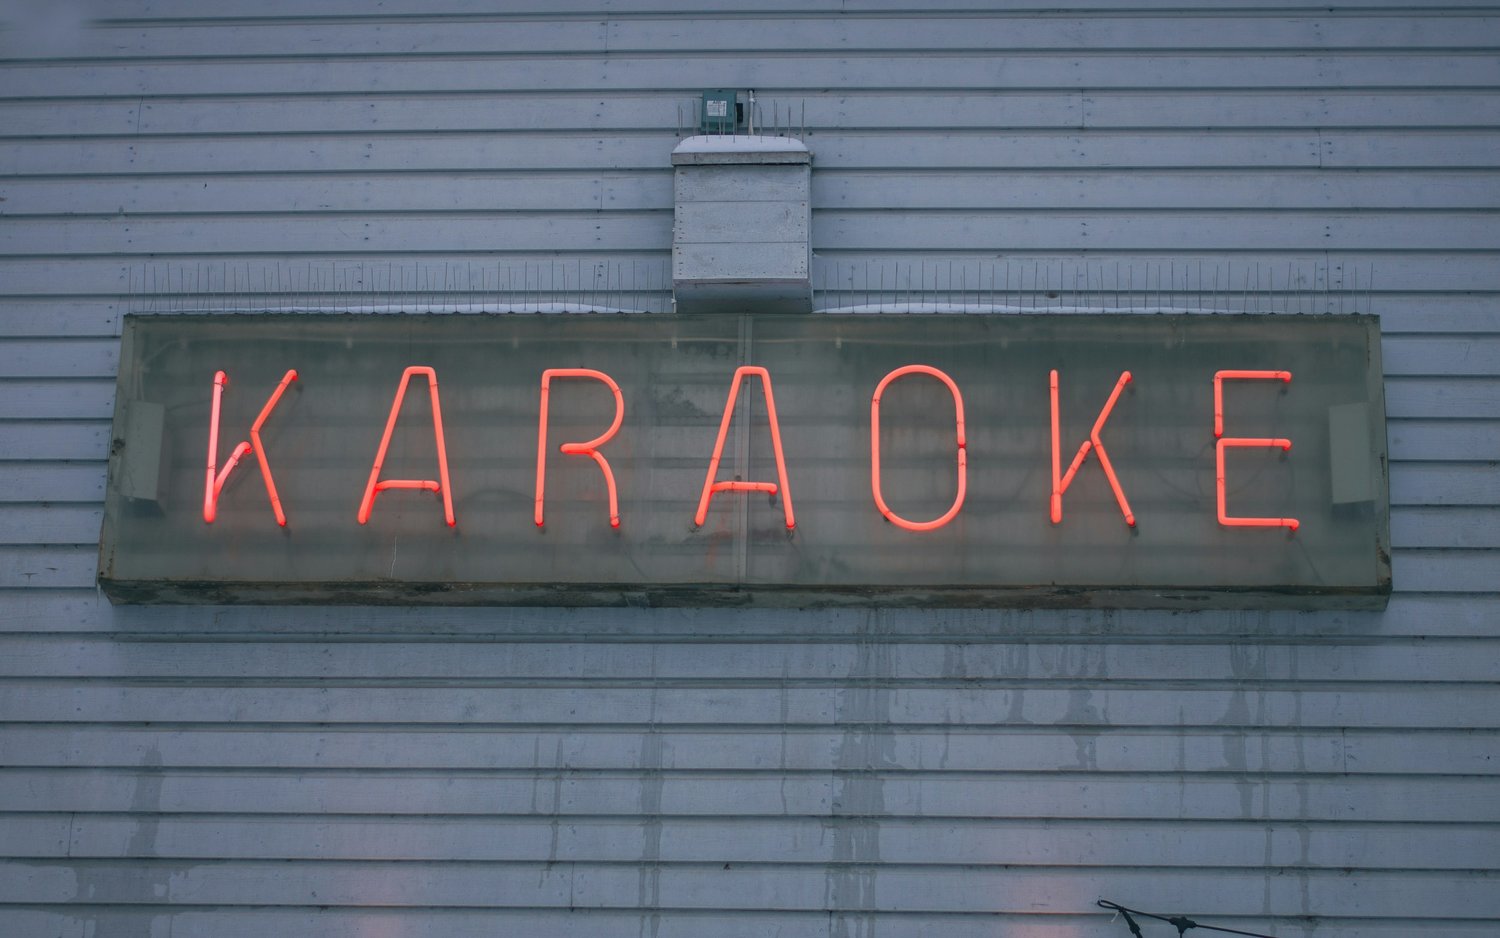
[963,472]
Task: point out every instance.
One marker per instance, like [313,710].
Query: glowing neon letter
[1230,442]
[1219,376]
[712,488]
[1060,482]
[963,472]
[376,486]
[590,449]
[214,481]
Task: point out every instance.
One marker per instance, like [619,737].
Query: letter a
[1060,483]
[376,485]
[712,488]
[213,483]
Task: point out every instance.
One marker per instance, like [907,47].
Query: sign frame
[989,371]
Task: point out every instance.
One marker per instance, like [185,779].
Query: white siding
[253,771]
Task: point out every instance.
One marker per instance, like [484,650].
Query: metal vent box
[742,223]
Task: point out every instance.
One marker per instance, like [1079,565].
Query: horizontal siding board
[556,668]
[72,440]
[50,524]
[1009,749]
[51,358]
[1109,189]
[936,32]
[84,399]
[1414,291]
[819,112]
[1467,527]
[1332,107]
[1310,845]
[841,230]
[1385,706]
[147,12]
[1042,192]
[1441,484]
[981,150]
[1052,795]
[1475,356]
[354,192]
[89,317]
[665,923]
[1472,571]
[626,231]
[653,71]
[708,886]
[48,567]
[863,231]
[1466,398]
[1440,440]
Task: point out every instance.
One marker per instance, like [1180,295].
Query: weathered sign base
[709,596]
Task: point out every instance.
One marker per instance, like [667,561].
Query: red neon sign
[590,449]
[376,485]
[214,480]
[711,487]
[1240,442]
[1060,482]
[963,471]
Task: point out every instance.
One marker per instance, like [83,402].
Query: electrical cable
[1181,922]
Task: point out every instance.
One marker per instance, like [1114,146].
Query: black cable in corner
[1180,922]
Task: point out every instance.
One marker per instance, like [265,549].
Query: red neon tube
[590,449]
[1224,518]
[214,481]
[1224,443]
[711,487]
[376,485]
[1060,482]
[963,473]
[1219,378]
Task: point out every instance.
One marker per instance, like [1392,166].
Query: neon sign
[895,502]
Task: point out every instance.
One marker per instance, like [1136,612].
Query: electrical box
[720,113]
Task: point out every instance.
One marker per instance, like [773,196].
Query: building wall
[336,771]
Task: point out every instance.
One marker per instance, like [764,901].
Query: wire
[1181,922]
